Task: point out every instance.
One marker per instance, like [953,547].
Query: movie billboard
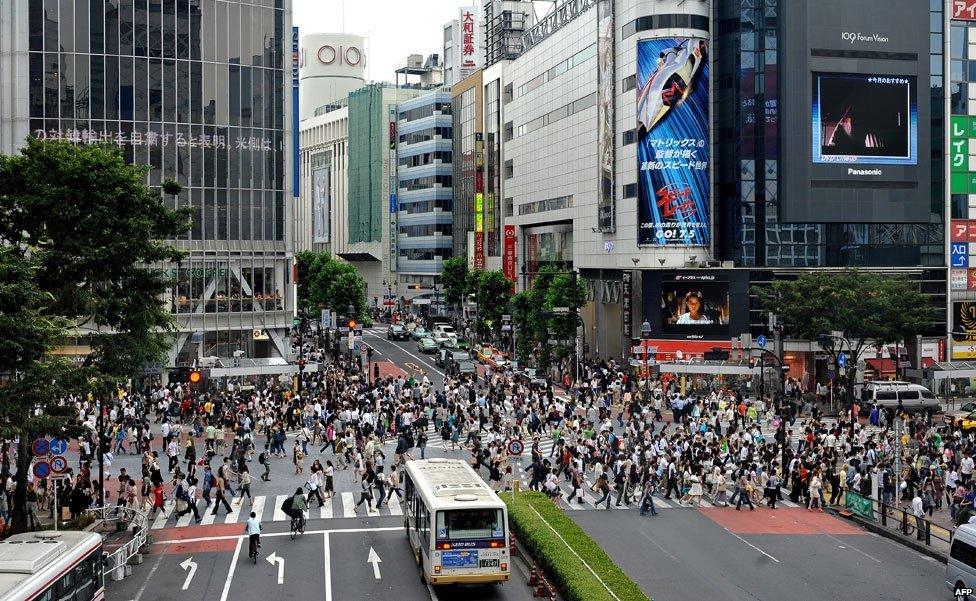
[964,330]
[694,305]
[864,119]
[673,187]
[320,204]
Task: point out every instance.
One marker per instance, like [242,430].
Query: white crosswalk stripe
[325,511]
[258,507]
[235,511]
[163,515]
[394,505]
[208,516]
[348,505]
[279,515]
[184,521]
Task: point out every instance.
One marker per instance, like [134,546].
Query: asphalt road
[404,354]
[679,556]
[330,561]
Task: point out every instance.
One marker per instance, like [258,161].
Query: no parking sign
[42,469]
[59,464]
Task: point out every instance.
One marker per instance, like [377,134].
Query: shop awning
[887,366]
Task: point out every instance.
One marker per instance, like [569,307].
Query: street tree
[870,308]
[454,278]
[303,266]
[94,236]
[333,284]
[492,295]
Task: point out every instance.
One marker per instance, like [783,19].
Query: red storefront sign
[964,10]
[508,260]
[479,250]
[963,230]
[971,279]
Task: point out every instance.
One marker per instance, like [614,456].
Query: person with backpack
[265,459]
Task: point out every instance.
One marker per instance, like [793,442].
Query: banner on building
[479,231]
[321,204]
[958,279]
[673,183]
[605,96]
[627,279]
[508,261]
[469,46]
[964,10]
[295,63]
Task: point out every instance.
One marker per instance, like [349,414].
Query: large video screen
[864,119]
[694,306]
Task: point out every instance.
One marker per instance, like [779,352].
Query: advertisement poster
[673,188]
[694,306]
[468,46]
[606,211]
[320,205]
[864,119]
[964,330]
[508,260]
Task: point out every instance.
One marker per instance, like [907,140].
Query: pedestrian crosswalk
[343,505]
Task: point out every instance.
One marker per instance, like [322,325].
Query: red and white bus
[52,566]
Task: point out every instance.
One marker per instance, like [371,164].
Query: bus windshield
[467,524]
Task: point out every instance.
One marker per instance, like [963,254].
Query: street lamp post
[645,340]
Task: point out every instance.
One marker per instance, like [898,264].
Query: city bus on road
[457,526]
[52,566]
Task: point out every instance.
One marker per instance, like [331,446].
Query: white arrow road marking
[191,567]
[272,559]
[376,561]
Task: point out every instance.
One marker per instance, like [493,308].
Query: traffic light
[752,363]
[352,324]
[194,376]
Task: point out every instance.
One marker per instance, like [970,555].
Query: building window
[629,190]
[629,83]
[509,169]
[630,136]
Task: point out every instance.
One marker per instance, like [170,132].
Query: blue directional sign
[761,341]
[59,446]
[842,360]
[960,254]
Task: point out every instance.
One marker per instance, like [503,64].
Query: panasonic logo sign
[864,172]
[873,38]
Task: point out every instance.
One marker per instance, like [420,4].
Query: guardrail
[114,563]
[898,519]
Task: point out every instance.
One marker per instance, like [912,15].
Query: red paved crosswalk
[778,521]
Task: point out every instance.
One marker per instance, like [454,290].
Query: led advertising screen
[694,305]
[673,188]
[855,114]
[864,119]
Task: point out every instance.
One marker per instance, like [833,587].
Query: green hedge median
[530,515]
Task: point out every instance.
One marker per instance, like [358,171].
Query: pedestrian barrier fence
[115,563]
[897,518]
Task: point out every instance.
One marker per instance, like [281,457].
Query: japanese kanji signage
[152,139]
[469,44]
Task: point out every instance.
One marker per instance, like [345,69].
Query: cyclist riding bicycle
[252,527]
[298,507]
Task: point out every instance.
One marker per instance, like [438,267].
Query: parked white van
[961,567]
[913,397]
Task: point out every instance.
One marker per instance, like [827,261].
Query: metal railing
[124,517]
[898,519]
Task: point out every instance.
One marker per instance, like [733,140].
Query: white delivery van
[913,397]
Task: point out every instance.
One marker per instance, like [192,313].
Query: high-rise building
[424,190]
[667,147]
[197,90]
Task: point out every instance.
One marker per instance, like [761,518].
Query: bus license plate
[489,563]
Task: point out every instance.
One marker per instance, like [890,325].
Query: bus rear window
[468,524]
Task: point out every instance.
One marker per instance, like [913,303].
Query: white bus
[457,526]
[52,566]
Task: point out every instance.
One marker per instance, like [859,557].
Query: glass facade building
[425,172]
[747,36]
[196,90]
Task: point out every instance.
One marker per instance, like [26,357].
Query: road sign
[841,360]
[352,340]
[515,447]
[830,374]
[560,310]
[296,322]
[59,464]
[42,469]
[59,446]
[41,447]
[761,341]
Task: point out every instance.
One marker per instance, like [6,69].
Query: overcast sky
[393,28]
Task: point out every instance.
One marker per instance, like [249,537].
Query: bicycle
[253,549]
[297,525]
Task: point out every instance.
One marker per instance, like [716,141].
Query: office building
[198,91]
[424,188]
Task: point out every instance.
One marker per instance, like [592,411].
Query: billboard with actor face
[673,184]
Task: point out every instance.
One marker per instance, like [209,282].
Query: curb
[892,535]
[525,568]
